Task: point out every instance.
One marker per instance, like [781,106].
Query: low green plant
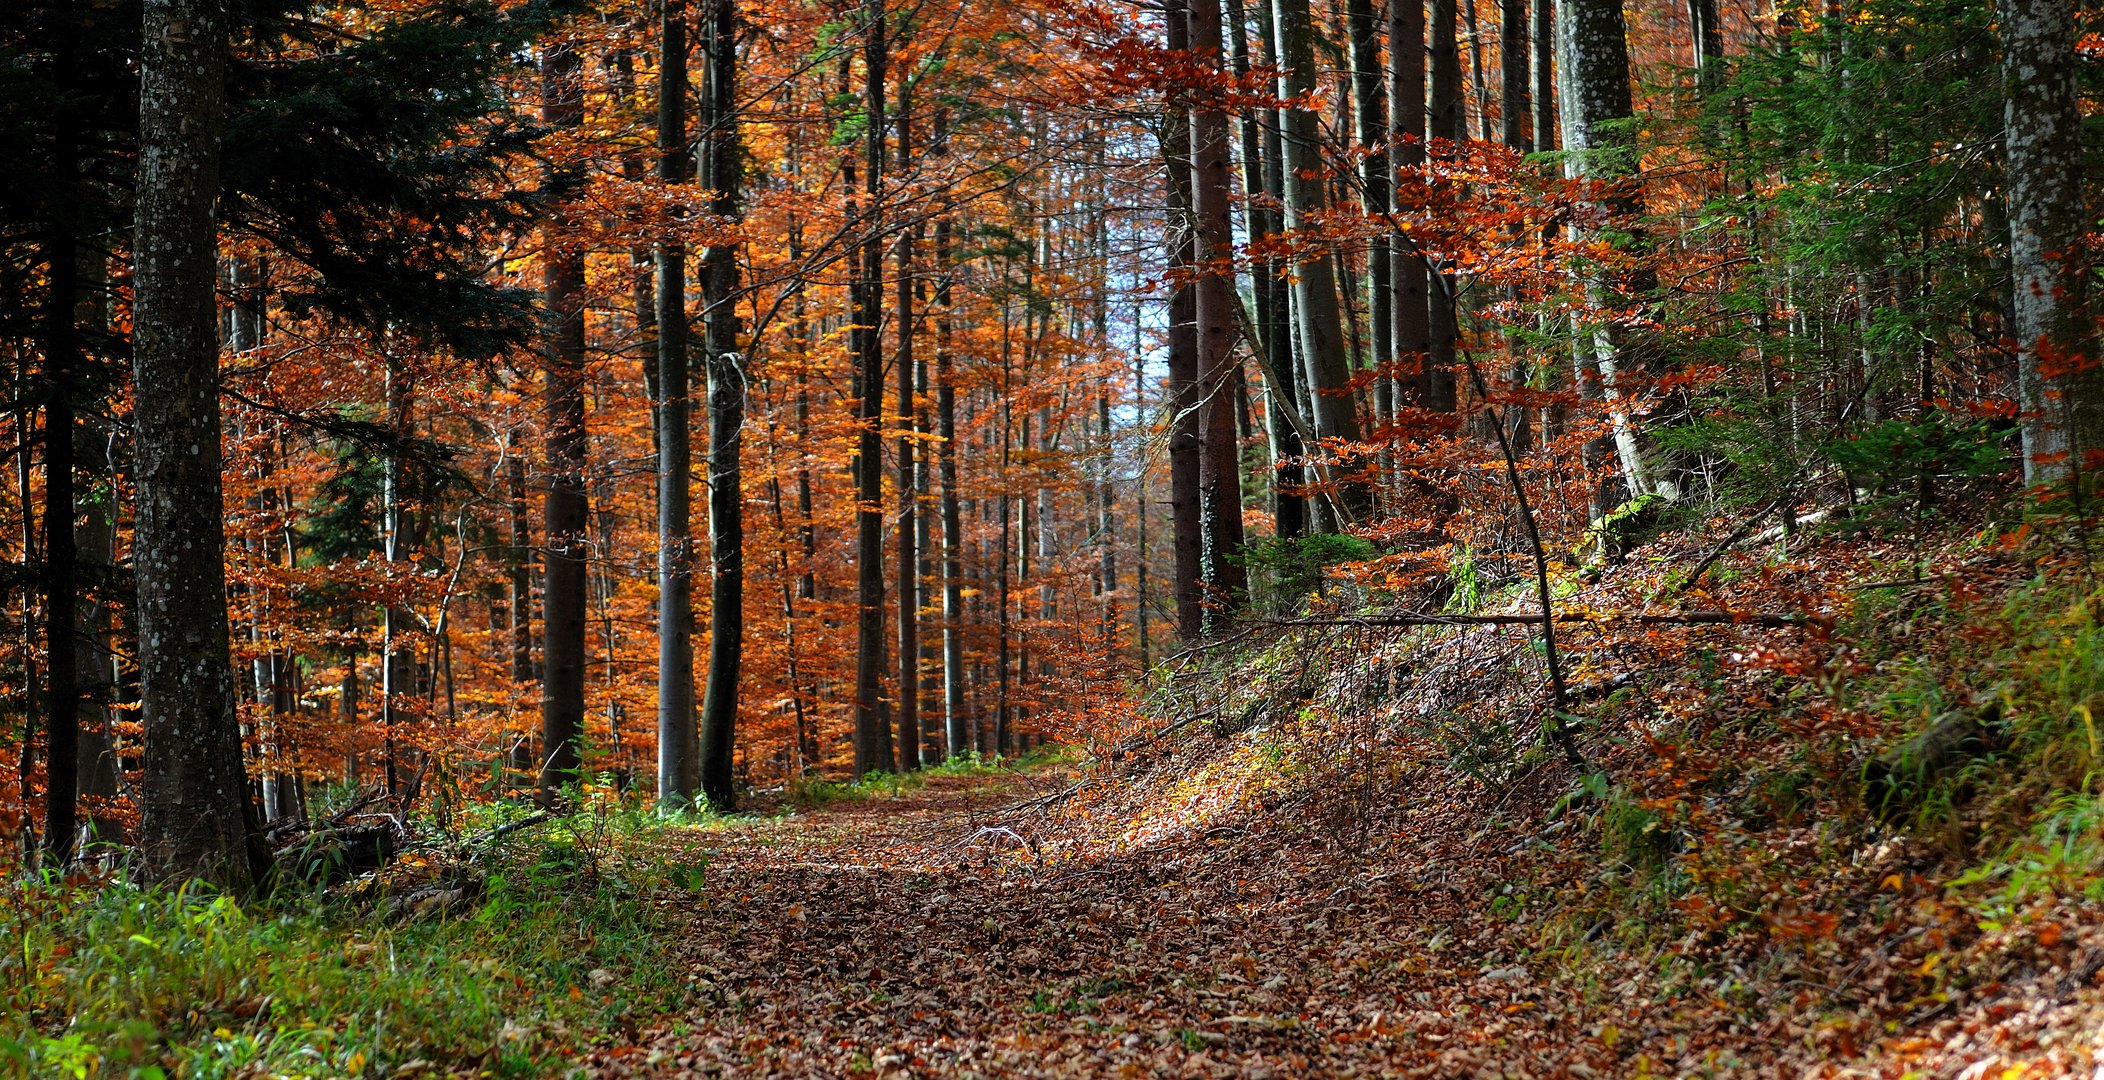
[1285,569]
[105,979]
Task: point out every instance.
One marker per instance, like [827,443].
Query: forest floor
[1380,869]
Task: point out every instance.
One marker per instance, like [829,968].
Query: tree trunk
[520,574]
[565,512]
[1594,61]
[1444,123]
[1412,304]
[1323,361]
[196,816]
[1220,456]
[2060,387]
[678,749]
[726,367]
[906,541]
[61,552]
[1370,95]
[955,716]
[1289,509]
[1180,392]
[872,732]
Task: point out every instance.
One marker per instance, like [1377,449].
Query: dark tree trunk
[1289,509]
[872,731]
[61,553]
[1370,96]
[520,575]
[196,816]
[906,541]
[719,706]
[678,749]
[1445,122]
[1323,361]
[1406,85]
[565,513]
[1220,458]
[1180,392]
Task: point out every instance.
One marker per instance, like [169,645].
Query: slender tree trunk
[726,366]
[1181,392]
[1289,509]
[678,746]
[872,732]
[1323,360]
[519,572]
[905,528]
[565,512]
[196,816]
[956,718]
[99,775]
[1594,61]
[1412,281]
[61,552]
[1370,97]
[1220,457]
[1445,123]
[2061,388]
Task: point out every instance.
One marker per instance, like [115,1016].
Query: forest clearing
[648,538]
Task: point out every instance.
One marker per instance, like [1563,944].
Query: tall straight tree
[726,368]
[1370,98]
[1180,392]
[62,361]
[1412,278]
[1593,64]
[872,729]
[1323,361]
[678,753]
[905,541]
[196,816]
[2060,387]
[1445,122]
[1220,459]
[956,716]
[1289,509]
[564,513]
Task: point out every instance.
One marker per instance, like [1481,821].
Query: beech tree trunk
[1220,457]
[196,816]
[955,715]
[726,369]
[872,731]
[1412,278]
[1180,392]
[1444,121]
[905,539]
[678,749]
[1593,55]
[1324,362]
[1370,98]
[1289,509]
[2060,387]
[565,512]
[61,552]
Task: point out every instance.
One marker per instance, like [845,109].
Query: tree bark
[726,367]
[1323,361]
[956,718]
[872,732]
[1289,509]
[197,819]
[1220,456]
[565,511]
[2060,387]
[678,749]
[1180,392]
[904,529]
[1444,123]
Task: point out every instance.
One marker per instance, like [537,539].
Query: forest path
[881,937]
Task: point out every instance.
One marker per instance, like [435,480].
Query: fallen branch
[1686,618]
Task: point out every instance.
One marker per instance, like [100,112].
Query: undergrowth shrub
[104,979]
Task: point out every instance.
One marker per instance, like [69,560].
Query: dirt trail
[877,937]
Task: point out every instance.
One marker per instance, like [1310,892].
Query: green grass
[101,979]
[812,792]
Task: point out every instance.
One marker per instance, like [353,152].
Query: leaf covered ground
[1366,863]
